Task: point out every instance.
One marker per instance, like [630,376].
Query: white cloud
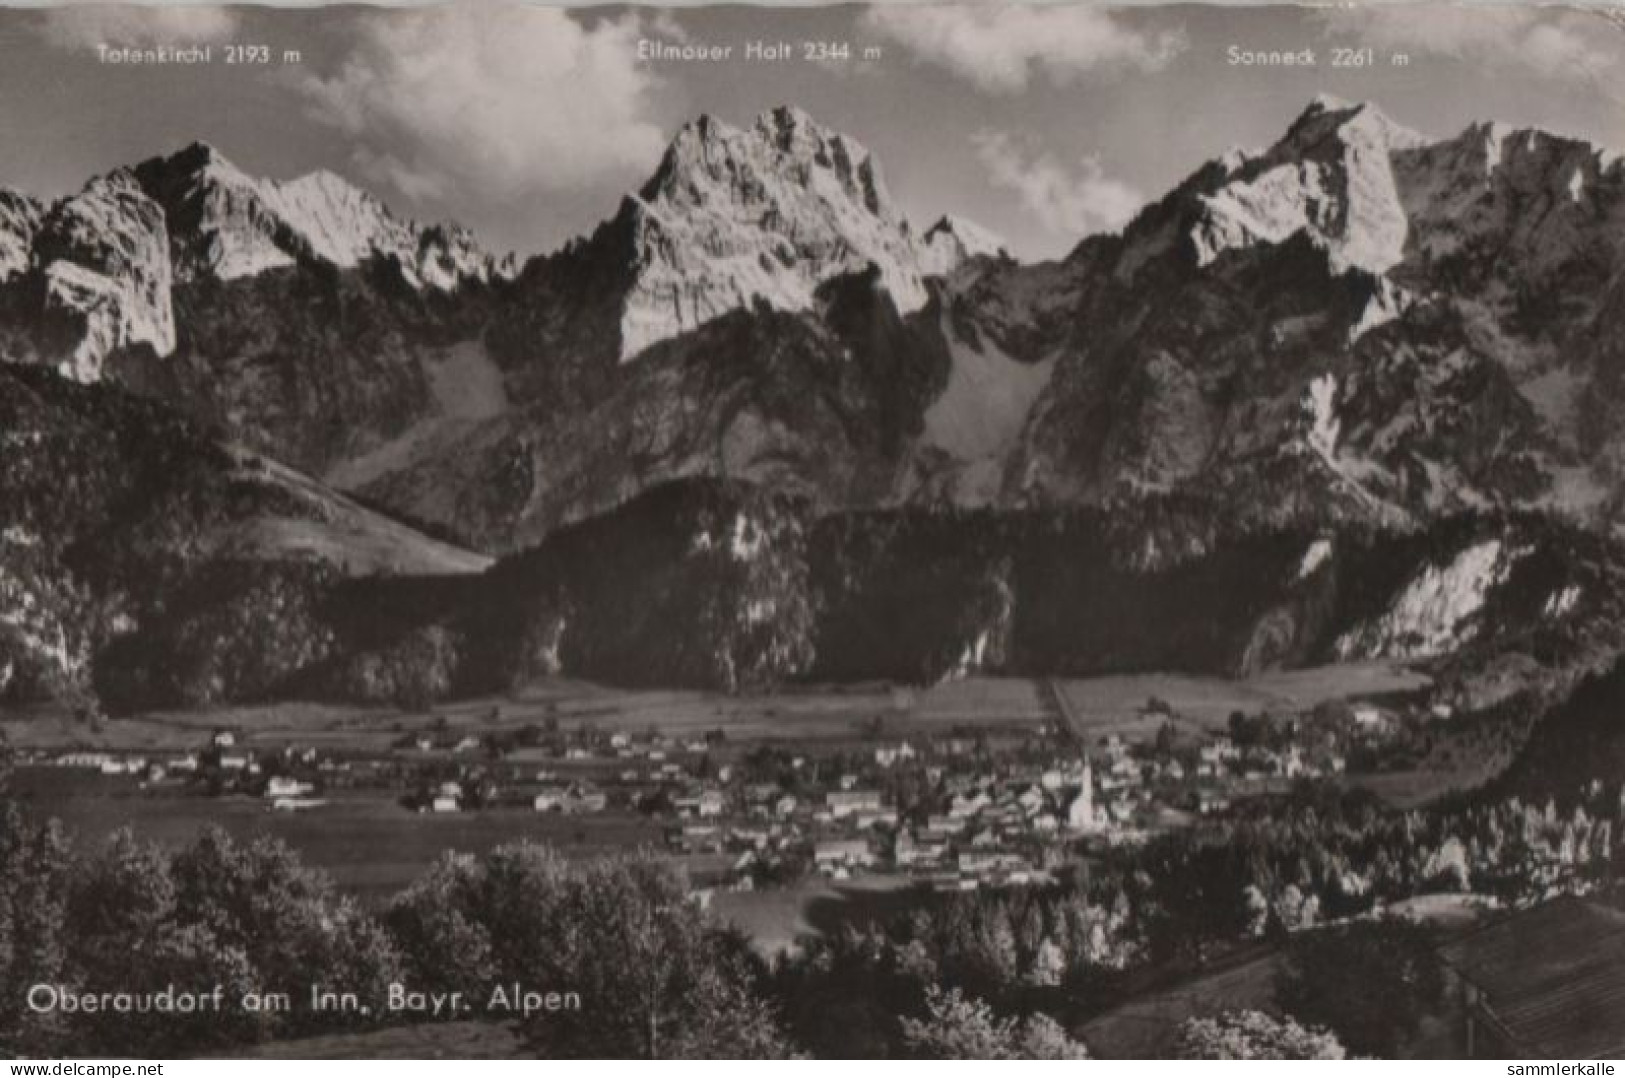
[1562,44]
[1002,48]
[1070,201]
[497,103]
[86,26]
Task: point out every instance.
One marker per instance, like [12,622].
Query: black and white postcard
[946,531]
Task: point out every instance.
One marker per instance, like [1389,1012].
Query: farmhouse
[93,760]
[844,803]
[577,799]
[296,804]
[1543,983]
[704,804]
[842,853]
[448,798]
[281,786]
[132,766]
[965,806]
[887,755]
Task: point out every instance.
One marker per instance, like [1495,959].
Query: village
[957,810]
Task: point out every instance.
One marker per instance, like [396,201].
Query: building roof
[1553,977]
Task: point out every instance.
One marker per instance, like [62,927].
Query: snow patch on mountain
[765,214]
[971,659]
[1562,603]
[1318,554]
[1320,404]
[976,421]
[1434,612]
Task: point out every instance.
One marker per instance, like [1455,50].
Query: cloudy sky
[527,123]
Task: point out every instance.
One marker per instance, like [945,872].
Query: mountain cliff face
[821,403]
[1357,322]
[104,260]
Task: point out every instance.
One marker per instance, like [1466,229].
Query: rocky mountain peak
[104,254]
[815,147]
[1330,117]
[953,241]
[1353,321]
[228,224]
[1446,309]
[1330,176]
[790,125]
[769,212]
[710,158]
[105,260]
[198,157]
[219,224]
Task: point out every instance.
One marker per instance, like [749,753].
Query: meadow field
[800,713]
[367,841]
[1098,707]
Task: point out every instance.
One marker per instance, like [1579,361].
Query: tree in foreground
[656,979]
[1370,982]
[1253,1035]
[957,1026]
[35,868]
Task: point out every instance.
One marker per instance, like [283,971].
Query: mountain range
[1402,352]
[1356,322]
